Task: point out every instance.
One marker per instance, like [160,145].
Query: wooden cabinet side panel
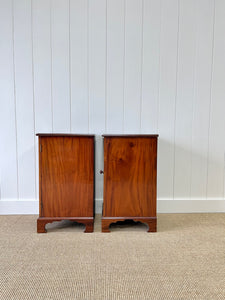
[130,174]
[40,181]
[66,176]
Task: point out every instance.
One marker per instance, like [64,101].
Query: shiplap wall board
[115,66]
[216,155]
[79,66]
[8,118]
[202,98]
[167,97]
[24,104]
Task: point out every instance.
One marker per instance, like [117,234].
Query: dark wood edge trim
[129,218]
[40,178]
[94,177]
[66,218]
[87,221]
[105,170]
[65,134]
[150,221]
[131,135]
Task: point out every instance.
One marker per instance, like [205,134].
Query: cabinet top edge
[131,135]
[64,134]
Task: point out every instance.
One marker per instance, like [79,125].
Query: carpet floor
[185,259]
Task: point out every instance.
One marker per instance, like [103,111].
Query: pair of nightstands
[66,179]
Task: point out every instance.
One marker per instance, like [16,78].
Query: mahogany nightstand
[130,177]
[66,179]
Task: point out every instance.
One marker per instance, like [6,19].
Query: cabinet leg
[41,222]
[41,226]
[152,225]
[89,227]
[151,222]
[105,225]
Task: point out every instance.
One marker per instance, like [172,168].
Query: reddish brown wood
[151,222]
[65,135]
[130,175]
[66,178]
[88,222]
[131,135]
[41,225]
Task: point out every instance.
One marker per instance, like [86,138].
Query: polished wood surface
[65,135]
[66,178]
[130,175]
[150,221]
[42,221]
[131,135]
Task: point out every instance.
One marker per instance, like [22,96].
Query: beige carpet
[185,259]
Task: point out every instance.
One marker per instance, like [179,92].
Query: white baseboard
[98,206]
[191,206]
[31,207]
[19,207]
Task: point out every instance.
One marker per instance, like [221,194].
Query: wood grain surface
[130,177]
[66,176]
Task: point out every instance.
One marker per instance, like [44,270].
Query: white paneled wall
[115,66]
